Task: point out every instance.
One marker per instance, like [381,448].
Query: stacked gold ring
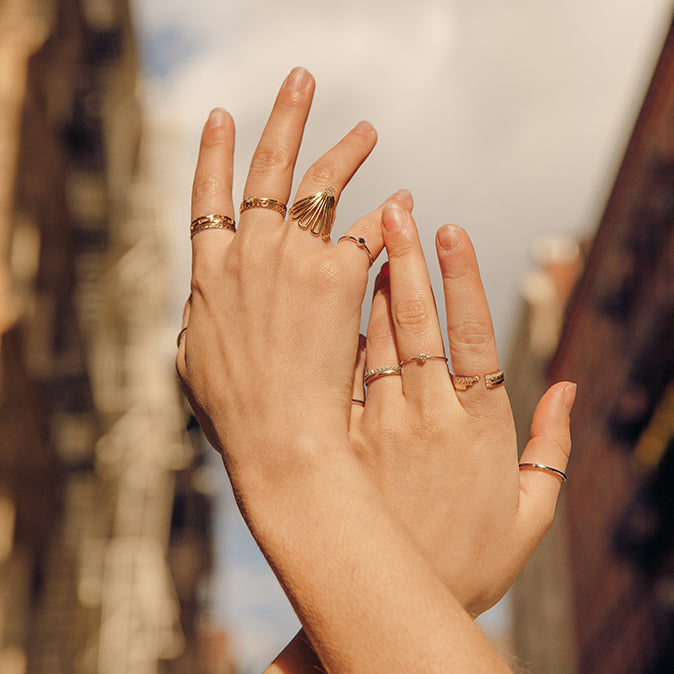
[213,221]
[263,202]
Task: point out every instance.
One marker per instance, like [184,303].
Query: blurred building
[598,597]
[105,535]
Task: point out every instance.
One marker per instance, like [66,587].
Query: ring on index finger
[213,221]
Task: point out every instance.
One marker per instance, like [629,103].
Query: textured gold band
[263,202]
[213,221]
[465,382]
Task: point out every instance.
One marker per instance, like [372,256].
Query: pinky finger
[546,455]
[182,335]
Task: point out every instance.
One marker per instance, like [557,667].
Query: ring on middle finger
[316,213]
[263,202]
[378,372]
[421,359]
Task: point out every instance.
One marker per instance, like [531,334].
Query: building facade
[105,533]
[605,577]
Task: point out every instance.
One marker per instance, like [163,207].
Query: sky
[508,117]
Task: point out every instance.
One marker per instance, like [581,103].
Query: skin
[391,525]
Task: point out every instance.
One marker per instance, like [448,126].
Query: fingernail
[569,397]
[216,117]
[393,218]
[363,128]
[448,237]
[297,78]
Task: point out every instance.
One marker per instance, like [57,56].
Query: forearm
[365,595]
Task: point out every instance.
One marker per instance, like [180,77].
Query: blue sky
[505,116]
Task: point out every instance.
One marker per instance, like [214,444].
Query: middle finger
[271,169]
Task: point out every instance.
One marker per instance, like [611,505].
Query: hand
[272,320]
[445,459]
[266,359]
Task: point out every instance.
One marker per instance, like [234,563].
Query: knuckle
[378,333]
[414,313]
[323,175]
[206,187]
[471,334]
[273,158]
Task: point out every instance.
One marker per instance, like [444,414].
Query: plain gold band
[547,469]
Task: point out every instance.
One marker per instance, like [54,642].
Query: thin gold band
[360,242]
[421,359]
[378,372]
[547,469]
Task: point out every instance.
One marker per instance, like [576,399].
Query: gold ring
[494,379]
[213,221]
[180,336]
[358,401]
[421,359]
[360,242]
[263,202]
[378,372]
[464,382]
[547,469]
[316,213]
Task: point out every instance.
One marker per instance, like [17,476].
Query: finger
[271,169]
[415,319]
[381,349]
[549,445]
[180,355]
[469,328]
[337,166]
[212,187]
[366,232]
[358,393]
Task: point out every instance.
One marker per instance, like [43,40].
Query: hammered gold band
[213,221]
[464,382]
[316,213]
[378,372]
[263,202]
[420,359]
[360,242]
